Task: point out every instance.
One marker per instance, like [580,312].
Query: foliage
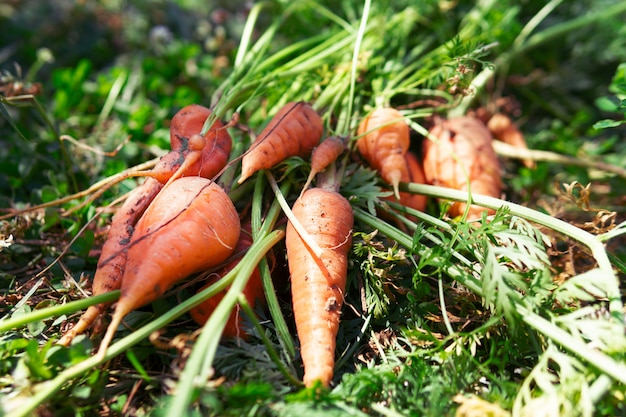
[518,314]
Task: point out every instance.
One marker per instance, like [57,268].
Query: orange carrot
[384,142]
[108,276]
[293,131]
[503,128]
[190,226]
[461,153]
[318,284]
[415,174]
[253,292]
[189,154]
[325,154]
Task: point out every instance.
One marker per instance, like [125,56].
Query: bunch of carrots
[180,221]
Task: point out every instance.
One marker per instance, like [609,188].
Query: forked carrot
[293,131]
[318,283]
[384,141]
[415,174]
[459,154]
[190,226]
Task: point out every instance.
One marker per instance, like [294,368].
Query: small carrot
[462,153]
[293,131]
[325,154]
[192,154]
[253,292]
[384,141]
[190,226]
[318,283]
[503,128]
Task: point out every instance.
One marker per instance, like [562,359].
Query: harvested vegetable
[503,128]
[112,262]
[459,153]
[293,131]
[192,225]
[318,283]
[384,142]
[325,154]
[415,174]
[189,154]
[253,292]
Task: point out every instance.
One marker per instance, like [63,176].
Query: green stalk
[45,390]
[268,344]
[548,34]
[595,357]
[68,308]
[199,365]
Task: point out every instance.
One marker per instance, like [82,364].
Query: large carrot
[253,292]
[190,226]
[191,154]
[384,141]
[318,283]
[293,131]
[460,153]
[108,276]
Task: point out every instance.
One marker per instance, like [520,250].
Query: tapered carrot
[384,142]
[293,131]
[253,292]
[191,154]
[460,153]
[318,283]
[325,154]
[112,262]
[190,226]
[503,128]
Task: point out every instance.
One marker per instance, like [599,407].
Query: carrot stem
[296,224]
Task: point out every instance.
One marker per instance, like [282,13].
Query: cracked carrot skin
[293,131]
[318,284]
[384,143]
[191,226]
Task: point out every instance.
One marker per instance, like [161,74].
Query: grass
[519,315]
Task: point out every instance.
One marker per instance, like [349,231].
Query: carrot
[462,154]
[415,174]
[318,284]
[253,292]
[325,154]
[190,226]
[384,141]
[293,131]
[112,262]
[192,154]
[503,128]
